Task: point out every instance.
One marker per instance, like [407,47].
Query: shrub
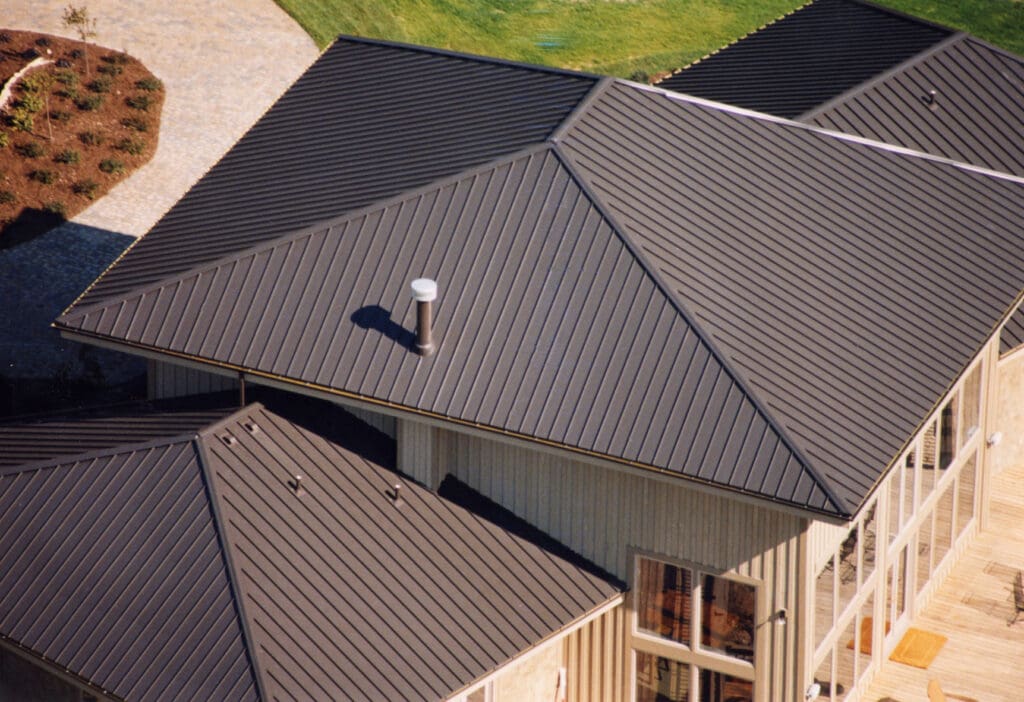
[30,149]
[140,102]
[6,197]
[68,156]
[32,83]
[112,166]
[136,123]
[86,188]
[60,115]
[89,103]
[21,120]
[4,37]
[116,58]
[43,176]
[132,146]
[43,41]
[56,207]
[76,54]
[63,63]
[69,78]
[150,84]
[100,85]
[30,102]
[110,69]
[4,139]
[90,138]
[69,93]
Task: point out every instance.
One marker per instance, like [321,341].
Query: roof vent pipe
[424,291]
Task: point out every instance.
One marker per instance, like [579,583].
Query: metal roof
[190,569]
[976,114]
[715,258]
[807,57]
[368,120]
[541,302]
[111,568]
[27,440]
[849,283]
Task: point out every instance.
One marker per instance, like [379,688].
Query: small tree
[45,81]
[78,19]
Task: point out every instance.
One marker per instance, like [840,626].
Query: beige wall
[164,380]
[535,679]
[607,515]
[1009,419]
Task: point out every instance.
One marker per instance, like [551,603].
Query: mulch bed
[104,119]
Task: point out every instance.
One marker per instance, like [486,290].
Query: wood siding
[165,380]
[608,515]
[597,661]
[381,422]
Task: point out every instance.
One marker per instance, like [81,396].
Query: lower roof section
[200,567]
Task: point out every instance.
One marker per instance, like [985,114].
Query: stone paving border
[223,62]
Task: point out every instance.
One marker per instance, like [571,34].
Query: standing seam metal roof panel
[806,58]
[815,262]
[110,567]
[976,115]
[366,121]
[552,322]
[352,597]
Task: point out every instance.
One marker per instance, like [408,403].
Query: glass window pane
[924,553]
[848,555]
[929,446]
[823,676]
[824,602]
[947,434]
[663,595]
[895,497]
[727,617]
[943,527]
[719,687]
[864,629]
[845,661]
[972,404]
[965,494]
[908,488]
[868,529]
[661,680]
[478,695]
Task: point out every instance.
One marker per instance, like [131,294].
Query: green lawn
[617,37]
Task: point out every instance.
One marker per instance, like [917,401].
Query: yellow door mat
[865,635]
[918,648]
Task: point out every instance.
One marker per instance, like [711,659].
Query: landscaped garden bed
[81,120]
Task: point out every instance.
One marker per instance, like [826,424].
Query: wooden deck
[984,657]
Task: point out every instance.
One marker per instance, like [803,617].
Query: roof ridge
[900,14]
[66,459]
[464,55]
[723,358]
[735,41]
[580,109]
[954,38]
[296,234]
[217,517]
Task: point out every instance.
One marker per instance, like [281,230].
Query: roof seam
[702,334]
[863,87]
[229,566]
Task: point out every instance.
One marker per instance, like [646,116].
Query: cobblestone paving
[223,62]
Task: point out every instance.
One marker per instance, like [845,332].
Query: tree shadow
[377,318]
[29,224]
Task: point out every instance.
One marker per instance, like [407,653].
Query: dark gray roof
[542,302]
[111,568]
[976,115]
[807,57]
[27,440]
[190,569]
[848,283]
[366,121]
[654,284]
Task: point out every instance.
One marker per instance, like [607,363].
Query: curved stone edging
[8,92]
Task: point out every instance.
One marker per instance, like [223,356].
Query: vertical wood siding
[165,380]
[605,515]
[596,659]
[380,422]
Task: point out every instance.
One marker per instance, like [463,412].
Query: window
[694,635]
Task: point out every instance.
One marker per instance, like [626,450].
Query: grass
[626,38]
